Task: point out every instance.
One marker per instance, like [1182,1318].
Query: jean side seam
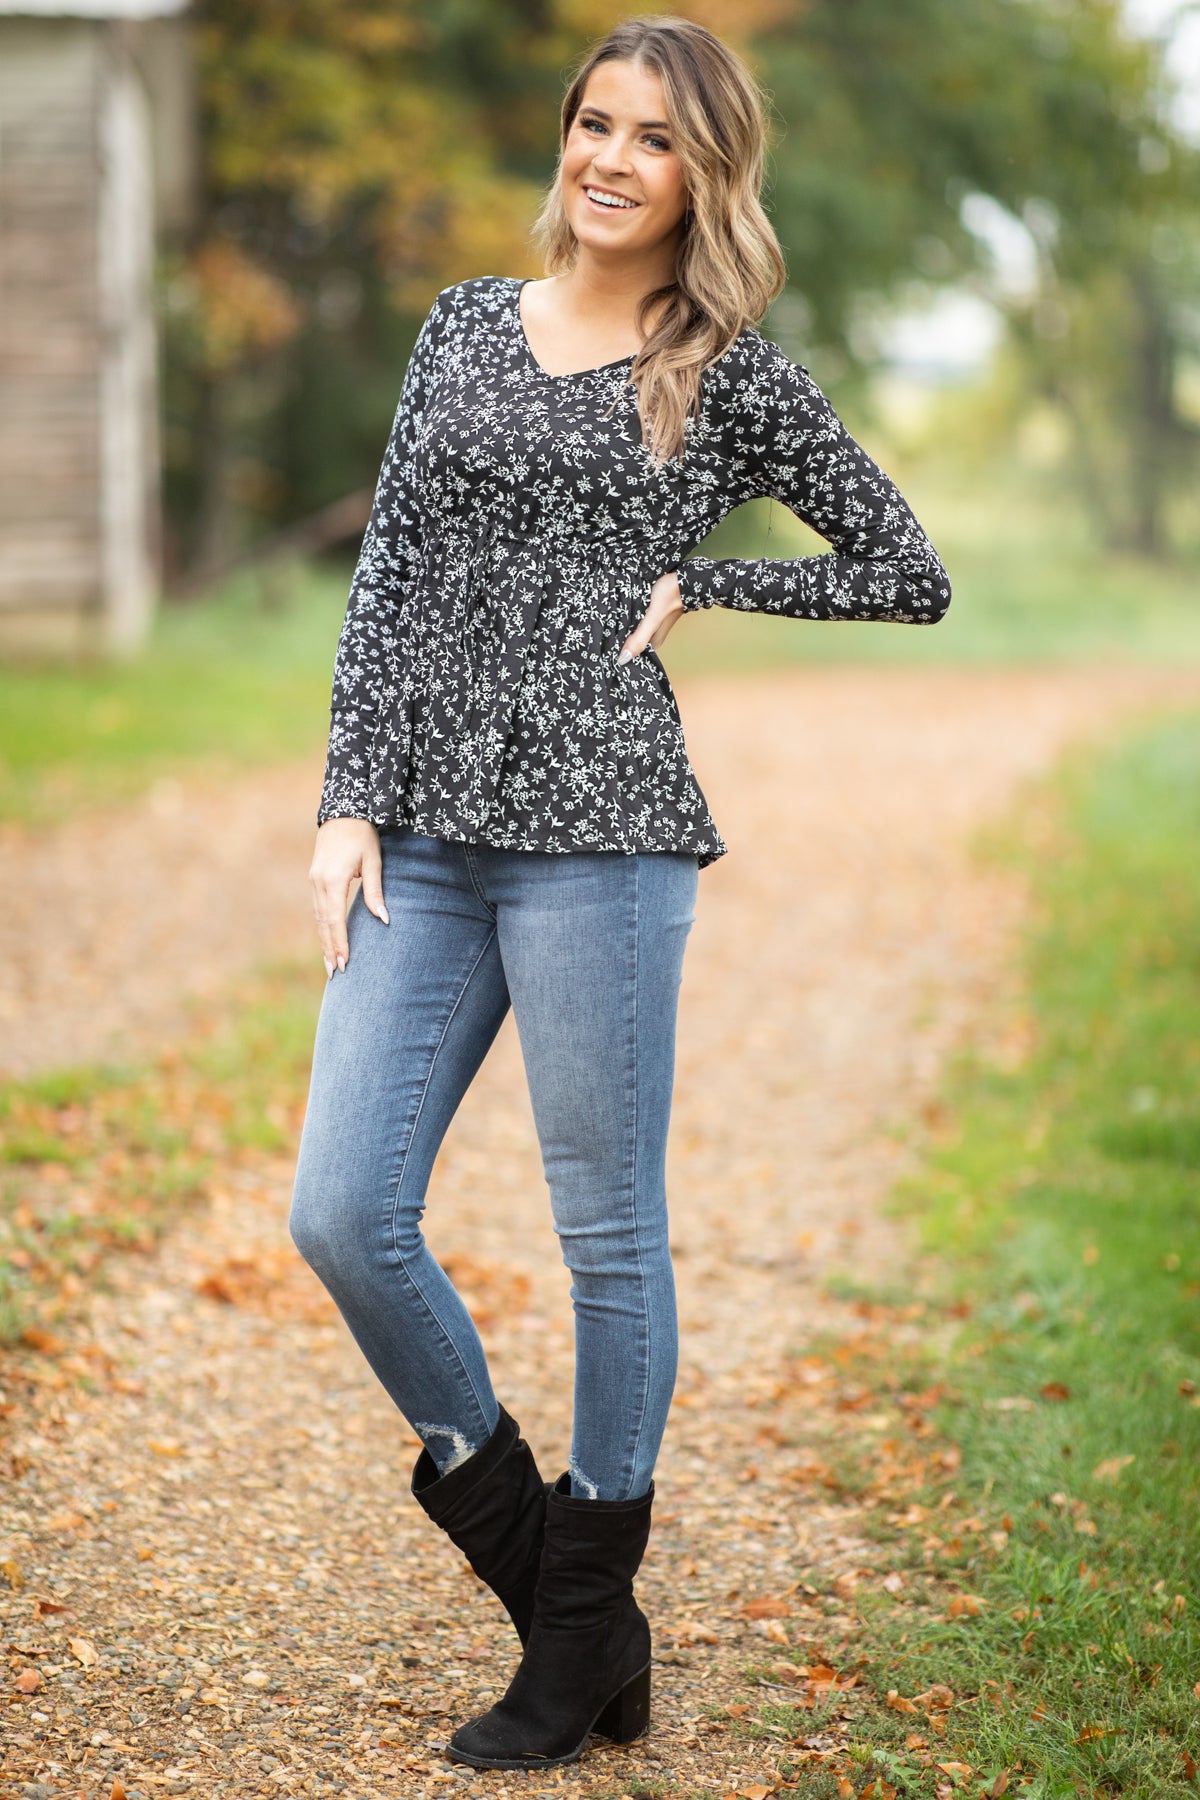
[648,1363]
[473,878]
[399,1254]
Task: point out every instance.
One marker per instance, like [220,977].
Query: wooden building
[96,157]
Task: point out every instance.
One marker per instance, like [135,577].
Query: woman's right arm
[347,845]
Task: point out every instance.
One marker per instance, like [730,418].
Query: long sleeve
[388,558]
[793,446]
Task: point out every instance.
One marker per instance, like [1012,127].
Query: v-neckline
[571,374]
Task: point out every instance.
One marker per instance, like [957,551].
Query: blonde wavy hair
[729,265]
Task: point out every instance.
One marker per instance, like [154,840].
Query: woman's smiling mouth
[606,200]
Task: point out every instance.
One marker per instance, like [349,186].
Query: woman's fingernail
[383,913]
[328,968]
[625,656]
[341,962]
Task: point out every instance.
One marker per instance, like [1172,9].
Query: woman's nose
[618,161]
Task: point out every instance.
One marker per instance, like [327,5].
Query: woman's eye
[659,143]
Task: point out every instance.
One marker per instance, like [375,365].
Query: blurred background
[221,225]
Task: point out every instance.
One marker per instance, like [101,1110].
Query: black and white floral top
[517,529]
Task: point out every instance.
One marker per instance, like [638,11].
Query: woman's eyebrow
[643,124]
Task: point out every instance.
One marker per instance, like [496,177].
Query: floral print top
[517,528]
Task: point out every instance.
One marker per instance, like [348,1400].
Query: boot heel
[627,1714]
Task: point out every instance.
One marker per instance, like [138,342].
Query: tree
[360,154]
[898,114]
[351,168]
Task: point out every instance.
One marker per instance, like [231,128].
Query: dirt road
[251,1603]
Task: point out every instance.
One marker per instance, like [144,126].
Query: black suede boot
[586,1666]
[493,1506]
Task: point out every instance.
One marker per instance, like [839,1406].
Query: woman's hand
[666,606]
[345,849]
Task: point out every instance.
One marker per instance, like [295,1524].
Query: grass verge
[1041,1513]
[224,683]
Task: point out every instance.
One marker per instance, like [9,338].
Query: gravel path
[213,1563]
[115,926]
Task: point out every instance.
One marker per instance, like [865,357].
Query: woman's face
[619,143]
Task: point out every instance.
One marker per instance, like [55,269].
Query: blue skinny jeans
[587,946]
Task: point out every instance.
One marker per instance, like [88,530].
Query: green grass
[229,681]
[1062,1203]
[224,682]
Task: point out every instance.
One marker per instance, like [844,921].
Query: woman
[507,774]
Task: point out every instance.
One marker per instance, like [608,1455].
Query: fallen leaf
[1091,1732]
[914,1741]
[965,1606]
[29,1681]
[65,1521]
[692,1632]
[1055,1390]
[165,1446]
[766,1608]
[738,1710]
[1189,1766]
[45,1341]
[1111,1467]
[999,1786]
[83,1650]
[937,1695]
[755,1791]
[845,1788]
[898,1703]
[957,1771]
[118,1792]
[12,1573]
[51,1606]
